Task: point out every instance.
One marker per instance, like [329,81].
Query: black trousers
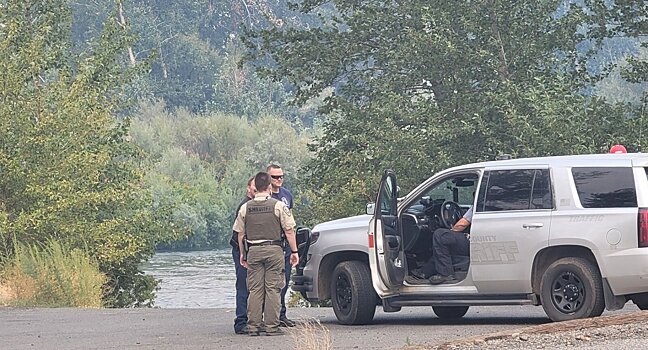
[445,244]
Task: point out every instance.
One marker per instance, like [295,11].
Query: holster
[246,248]
[284,240]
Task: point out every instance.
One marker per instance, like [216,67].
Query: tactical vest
[261,221]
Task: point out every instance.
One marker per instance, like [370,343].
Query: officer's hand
[243,262]
[294,259]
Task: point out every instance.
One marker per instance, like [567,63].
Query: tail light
[643,227]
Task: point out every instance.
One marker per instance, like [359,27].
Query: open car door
[390,257]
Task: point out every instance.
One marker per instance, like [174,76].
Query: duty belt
[275,242]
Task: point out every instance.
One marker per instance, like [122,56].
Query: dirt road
[212,328]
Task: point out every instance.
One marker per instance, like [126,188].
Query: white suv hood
[359,223]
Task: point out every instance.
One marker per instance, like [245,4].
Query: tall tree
[622,18]
[423,85]
[68,170]
[195,47]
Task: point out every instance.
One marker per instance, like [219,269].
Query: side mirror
[371,208]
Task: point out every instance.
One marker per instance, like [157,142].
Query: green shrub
[53,276]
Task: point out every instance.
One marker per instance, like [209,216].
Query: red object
[618,149]
[643,227]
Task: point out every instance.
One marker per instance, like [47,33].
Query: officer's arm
[461,225]
[292,241]
[241,237]
[239,228]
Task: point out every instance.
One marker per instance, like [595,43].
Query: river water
[201,279]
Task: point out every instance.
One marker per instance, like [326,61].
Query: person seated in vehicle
[445,243]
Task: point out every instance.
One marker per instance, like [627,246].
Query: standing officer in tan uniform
[259,224]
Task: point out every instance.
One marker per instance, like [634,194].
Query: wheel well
[545,257]
[328,264]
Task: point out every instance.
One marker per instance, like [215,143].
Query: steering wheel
[449,213]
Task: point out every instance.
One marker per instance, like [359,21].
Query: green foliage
[200,165]
[421,86]
[623,18]
[53,276]
[69,173]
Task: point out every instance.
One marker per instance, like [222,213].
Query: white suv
[569,233]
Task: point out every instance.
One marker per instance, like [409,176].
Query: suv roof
[637,159]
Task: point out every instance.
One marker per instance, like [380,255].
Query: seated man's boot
[416,277]
[440,279]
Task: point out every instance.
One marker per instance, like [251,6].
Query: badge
[287,211]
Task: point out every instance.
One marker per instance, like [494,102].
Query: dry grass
[6,295]
[311,335]
[52,276]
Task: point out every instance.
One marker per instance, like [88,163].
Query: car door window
[458,188]
[518,189]
[541,197]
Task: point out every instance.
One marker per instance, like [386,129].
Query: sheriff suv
[569,233]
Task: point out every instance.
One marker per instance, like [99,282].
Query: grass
[52,276]
[311,335]
[297,300]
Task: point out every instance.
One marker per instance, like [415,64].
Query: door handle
[532,225]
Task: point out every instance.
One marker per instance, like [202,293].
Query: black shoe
[416,280]
[286,322]
[277,332]
[241,331]
[439,279]
[417,273]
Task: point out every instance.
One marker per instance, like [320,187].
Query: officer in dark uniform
[280,193]
[259,224]
[240,322]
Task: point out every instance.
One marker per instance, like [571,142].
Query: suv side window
[605,187]
[541,197]
[519,189]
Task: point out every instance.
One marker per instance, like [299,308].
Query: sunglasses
[277,177]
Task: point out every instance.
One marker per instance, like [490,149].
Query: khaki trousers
[265,278]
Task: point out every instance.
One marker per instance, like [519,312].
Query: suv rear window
[605,187]
[515,190]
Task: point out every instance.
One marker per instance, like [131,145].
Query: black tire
[450,312]
[572,288]
[641,300]
[352,294]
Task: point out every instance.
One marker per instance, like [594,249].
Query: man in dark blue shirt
[240,322]
[278,192]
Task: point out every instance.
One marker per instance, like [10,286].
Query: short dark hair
[261,181]
[273,166]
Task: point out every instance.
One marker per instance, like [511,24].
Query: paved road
[212,328]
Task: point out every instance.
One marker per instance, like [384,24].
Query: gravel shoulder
[621,331]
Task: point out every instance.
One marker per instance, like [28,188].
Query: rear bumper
[627,271]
